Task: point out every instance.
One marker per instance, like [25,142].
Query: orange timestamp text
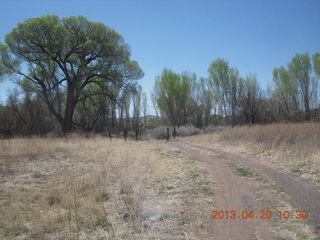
[263,214]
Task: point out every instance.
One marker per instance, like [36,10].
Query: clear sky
[187,35]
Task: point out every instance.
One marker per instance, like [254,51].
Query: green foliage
[152,123]
[182,222]
[67,57]
[206,99]
[242,170]
[226,85]
[316,63]
[286,90]
[297,171]
[246,172]
[295,86]
[173,93]
[282,78]
[83,73]
[1,69]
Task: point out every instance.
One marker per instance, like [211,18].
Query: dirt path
[232,193]
[302,194]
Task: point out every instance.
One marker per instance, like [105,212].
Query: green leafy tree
[227,86]
[286,93]
[300,69]
[206,98]
[173,95]
[316,63]
[64,56]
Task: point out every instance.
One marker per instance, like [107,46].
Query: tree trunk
[69,111]
[233,115]
[307,107]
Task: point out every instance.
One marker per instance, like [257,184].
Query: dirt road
[236,193]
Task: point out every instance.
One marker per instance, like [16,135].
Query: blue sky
[187,35]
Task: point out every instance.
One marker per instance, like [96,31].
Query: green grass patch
[299,169]
[182,222]
[246,172]
[296,171]
[222,157]
[243,170]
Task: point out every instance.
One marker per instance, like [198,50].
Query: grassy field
[291,147]
[94,188]
[91,188]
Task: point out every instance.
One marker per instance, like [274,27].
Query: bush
[187,130]
[158,133]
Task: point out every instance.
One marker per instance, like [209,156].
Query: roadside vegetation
[292,147]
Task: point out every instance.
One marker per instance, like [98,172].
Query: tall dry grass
[302,136]
[294,147]
[78,188]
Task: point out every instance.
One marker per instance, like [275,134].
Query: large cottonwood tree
[60,58]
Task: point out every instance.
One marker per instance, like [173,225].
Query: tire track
[233,192]
[302,194]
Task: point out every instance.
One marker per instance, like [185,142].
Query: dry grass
[303,137]
[292,147]
[78,188]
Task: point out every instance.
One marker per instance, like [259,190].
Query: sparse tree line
[77,74]
[225,97]
[26,113]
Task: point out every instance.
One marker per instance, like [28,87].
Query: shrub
[158,132]
[187,130]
